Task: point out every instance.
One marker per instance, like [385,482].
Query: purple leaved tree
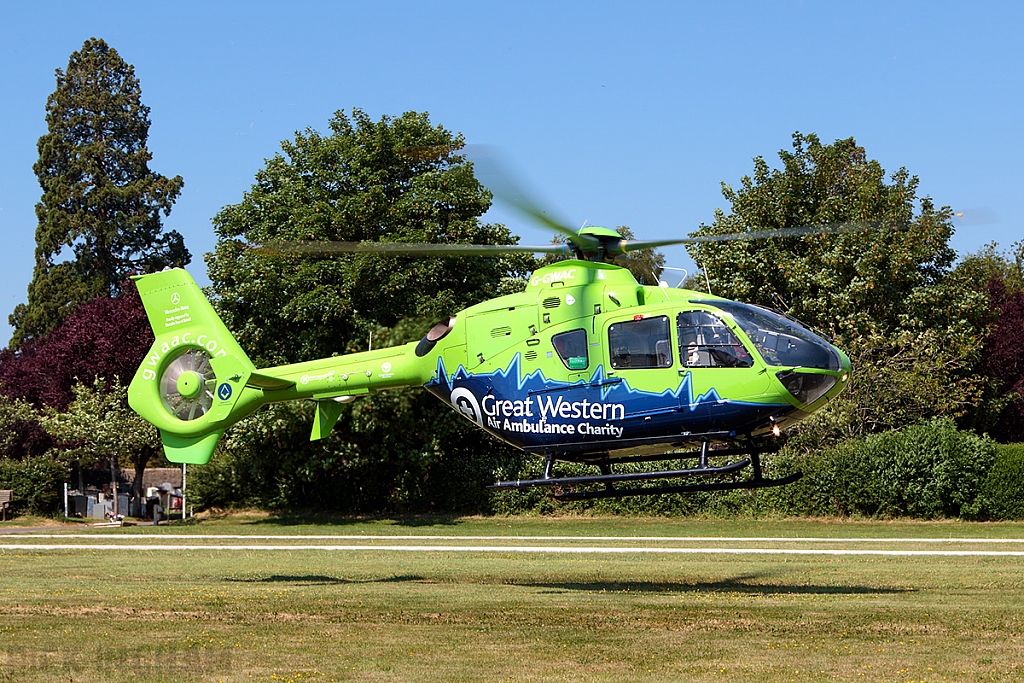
[105,338]
[1003,358]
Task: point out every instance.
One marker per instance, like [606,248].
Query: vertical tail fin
[192,383]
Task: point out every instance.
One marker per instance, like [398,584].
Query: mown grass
[256,523]
[455,616]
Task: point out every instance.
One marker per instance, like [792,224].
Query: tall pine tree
[99,217]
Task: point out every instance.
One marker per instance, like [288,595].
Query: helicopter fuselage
[588,364]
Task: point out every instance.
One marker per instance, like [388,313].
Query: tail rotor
[187,385]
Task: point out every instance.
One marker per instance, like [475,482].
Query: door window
[571,347]
[707,342]
[641,343]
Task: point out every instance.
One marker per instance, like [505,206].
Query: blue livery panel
[541,415]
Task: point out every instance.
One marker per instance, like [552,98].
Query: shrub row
[926,471]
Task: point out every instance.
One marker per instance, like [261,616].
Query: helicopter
[585,365]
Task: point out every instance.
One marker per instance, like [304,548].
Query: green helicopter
[586,365]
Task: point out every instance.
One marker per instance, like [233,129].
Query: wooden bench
[6,498]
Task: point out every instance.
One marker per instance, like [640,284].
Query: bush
[931,470]
[1003,489]
[927,470]
[813,494]
[37,483]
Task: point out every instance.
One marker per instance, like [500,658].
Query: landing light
[845,377]
[776,431]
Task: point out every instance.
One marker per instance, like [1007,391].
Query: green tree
[400,179]
[100,199]
[99,425]
[990,264]
[888,295]
[397,179]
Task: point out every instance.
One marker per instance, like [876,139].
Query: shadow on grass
[737,585]
[319,579]
[740,584]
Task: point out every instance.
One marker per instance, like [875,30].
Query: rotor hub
[189,384]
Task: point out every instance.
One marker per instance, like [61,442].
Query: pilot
[692,357]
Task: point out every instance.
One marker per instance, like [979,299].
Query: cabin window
[707,342]
[641,343]
[572,349]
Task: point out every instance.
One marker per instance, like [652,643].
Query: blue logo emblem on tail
[224,391]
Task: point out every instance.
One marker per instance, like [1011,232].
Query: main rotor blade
[820,229]
[407,248]
[495,178]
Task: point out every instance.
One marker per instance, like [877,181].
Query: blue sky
[615,113]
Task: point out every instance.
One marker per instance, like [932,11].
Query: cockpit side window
[780,340]
[571,347]
[642,343]
[707,342]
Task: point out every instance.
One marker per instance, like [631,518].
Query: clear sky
[616,113]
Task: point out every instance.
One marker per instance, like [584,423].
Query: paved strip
[414,537]
[524,549]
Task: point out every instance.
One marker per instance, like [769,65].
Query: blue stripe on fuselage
[539,414]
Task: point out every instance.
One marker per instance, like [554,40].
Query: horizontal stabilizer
[268,383]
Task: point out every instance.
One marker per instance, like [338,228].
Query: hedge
[926,471]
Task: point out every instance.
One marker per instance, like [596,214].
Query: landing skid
[609,478]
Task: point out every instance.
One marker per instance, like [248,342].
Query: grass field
[374,614]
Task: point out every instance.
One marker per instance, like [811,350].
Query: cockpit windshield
[780,340]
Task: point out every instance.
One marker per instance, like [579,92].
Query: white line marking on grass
[523,549]
[414,537]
